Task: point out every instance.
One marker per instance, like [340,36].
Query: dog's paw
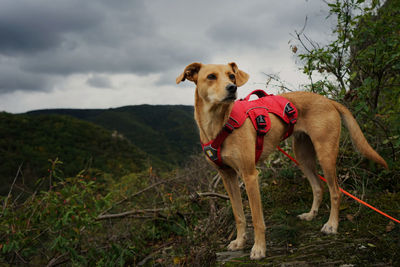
[237,244]
[329,228]
[257,252]
[307,216]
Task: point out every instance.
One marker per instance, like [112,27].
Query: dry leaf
[390,226]
[350,217]
[177,260]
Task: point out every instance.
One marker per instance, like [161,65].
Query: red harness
[257,110]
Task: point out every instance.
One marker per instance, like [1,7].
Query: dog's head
[215,83]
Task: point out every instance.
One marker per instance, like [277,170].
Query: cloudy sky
[102,54]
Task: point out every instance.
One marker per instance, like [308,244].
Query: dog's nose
[231,88]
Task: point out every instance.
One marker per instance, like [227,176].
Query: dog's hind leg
[327,153]
[305,155]
[231,183]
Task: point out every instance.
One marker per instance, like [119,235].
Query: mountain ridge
[167,133]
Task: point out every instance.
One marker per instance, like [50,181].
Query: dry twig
[127,213]
[57,260]
[213,194]
[12,186]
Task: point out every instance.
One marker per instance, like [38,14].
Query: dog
[315,137]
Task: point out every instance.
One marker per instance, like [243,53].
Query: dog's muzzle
[231,89]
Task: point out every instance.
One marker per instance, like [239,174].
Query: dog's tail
[357,136]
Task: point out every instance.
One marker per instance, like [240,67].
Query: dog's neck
[210,118]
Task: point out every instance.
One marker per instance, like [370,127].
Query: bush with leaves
[58,225]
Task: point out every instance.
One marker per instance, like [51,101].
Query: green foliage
[375,78]
[58,223]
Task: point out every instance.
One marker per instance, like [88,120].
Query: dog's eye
[232,77]
[211,77]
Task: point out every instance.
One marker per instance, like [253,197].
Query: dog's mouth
[230,98]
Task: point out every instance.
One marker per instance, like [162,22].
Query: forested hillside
[31,141]
[167,133]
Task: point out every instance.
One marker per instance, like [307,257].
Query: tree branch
[213,194]
[126,213]
[11,188]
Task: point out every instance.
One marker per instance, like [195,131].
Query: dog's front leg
[231,183]
[253,192]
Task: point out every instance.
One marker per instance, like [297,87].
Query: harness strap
[261,131]
[291,113]
[213,148]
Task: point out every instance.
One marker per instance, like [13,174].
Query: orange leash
[344,191]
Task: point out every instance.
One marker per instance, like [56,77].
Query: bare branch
[20,258]
[281,85]
[213,194]
[152,254]
[57,260]
[11,188]
[304,26]
[127,213]
[215,182]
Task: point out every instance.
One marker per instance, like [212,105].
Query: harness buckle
[289,110]
[261,125]
[211,152]
[228,127]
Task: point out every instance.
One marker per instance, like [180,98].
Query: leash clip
[211,152]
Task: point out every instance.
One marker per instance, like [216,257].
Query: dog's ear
[189,73]
[241,76]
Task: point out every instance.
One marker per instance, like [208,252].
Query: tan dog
[316,136]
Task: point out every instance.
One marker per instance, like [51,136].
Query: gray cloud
[32,26]
[57,38]
[99,81]
[245,33]
[45,41]
[262,25]
[13,78]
